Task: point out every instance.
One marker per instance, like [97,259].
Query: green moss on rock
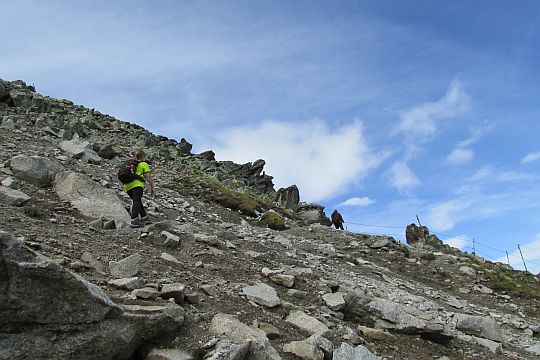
[272,220]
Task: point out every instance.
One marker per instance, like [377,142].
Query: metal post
[523,259]
[473,247]
[508,258]
[417,218]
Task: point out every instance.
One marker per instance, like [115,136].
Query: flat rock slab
[284,280]
[235,330]
[262,294]
[334,301]
[230,350]
[175,291]
[89,197]
[168,354]
[379,244]
[127,267]
[347,352]
[535,349]
[167,239]
[304,350]
[170,258]
[493,346]
[307,323]
[131,283]
[146,293]
[482,326]
[13,197]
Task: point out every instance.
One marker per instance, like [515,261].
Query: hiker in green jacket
[135,189]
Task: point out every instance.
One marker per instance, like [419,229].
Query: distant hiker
[134,174]
[337,220]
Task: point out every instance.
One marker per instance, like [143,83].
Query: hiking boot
[146,220]
[136,223]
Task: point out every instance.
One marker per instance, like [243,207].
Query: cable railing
[474,248]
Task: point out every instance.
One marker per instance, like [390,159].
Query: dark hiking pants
[338,225]
[137,208]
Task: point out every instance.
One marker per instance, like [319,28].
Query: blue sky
[382,109]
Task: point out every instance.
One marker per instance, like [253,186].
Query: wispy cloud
[531,157]
[444,216]
[483,173]
[420,124]
[460,156]
[322,161]
[356,201]
[401,176]
[462,153]
[488,175]
[423,120]
[459,242]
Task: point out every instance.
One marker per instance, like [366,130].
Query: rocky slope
[213,278]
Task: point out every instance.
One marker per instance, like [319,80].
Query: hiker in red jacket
[337,220]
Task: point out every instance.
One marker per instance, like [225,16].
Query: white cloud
[481,174]
[531,252]
[457,242]
[531,157]
[460,156]
[422,120]
[443,217]
[487,174]
[402,178]
[356,201]
[320,160]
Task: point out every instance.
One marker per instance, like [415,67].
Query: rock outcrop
[289,197]
[75,284]
[313,214]
[42,301]
[419,236]
[39,171]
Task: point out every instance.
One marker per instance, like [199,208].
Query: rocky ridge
[208,279]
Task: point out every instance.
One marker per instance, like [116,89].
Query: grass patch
[273,220]
[428,256]
[32,211]
[512,281]
[208,188]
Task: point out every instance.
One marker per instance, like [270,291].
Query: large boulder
[89,197]
[419,236]
[48,312]
[391,315]
[235,330]
[483,326]
[36,170]
[28,100]
[313,214]
[80,149]
[289,197]
[184,147]
[109,151]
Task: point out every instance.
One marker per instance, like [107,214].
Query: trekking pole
[417,218]
[523,259]
[508,258]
